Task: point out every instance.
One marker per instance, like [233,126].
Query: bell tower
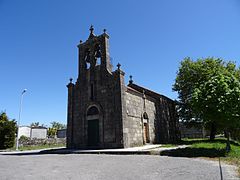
[93,55]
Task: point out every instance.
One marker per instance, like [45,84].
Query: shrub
[7,131]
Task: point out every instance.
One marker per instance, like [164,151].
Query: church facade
[103,112]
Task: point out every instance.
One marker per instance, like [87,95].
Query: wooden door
[146,133]
[93,132]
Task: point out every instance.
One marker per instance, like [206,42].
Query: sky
[38,45]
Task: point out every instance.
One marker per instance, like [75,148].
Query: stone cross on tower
[91,32]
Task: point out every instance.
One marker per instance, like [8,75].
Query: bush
[7,131]
[23,140]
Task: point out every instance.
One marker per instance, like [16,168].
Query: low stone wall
[35,142]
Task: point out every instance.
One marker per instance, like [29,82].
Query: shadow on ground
[41,152]
[190,142]
[194,152]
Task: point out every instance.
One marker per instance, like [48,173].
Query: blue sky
[38,45]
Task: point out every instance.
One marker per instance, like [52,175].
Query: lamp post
[19,118]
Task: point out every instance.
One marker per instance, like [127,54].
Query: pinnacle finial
[130,81]
[70,80]
[118,66]
[104,31]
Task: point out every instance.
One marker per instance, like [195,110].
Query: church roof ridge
[147,91]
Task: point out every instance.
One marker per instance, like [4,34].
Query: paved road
[109,167]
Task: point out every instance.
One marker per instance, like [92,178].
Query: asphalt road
[110,167]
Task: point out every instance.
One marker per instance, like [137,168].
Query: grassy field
[209,149]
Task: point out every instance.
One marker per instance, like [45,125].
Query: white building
[33,132]
[24,131]
[38,132]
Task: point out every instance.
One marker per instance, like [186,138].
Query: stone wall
[135,109]
[167,121]
[107,99]
[36,142]
[165,115]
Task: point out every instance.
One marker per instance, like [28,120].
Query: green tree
[191,78]
[35,124]
[52,131]
[218,99]
[58,125]
[7,131]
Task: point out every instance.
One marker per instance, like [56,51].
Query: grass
[210,149]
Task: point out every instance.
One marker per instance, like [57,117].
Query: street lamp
[19,117]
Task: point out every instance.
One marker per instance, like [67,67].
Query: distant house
[24,131]
[61,133]
[38,132]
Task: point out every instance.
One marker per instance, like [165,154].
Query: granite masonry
[105,113]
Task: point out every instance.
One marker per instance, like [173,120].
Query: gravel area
[110,167]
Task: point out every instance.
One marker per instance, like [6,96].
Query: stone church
[103,112]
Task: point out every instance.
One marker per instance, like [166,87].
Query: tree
[219,99]
[52,131]
[35,124]
[195,80]
[7,131]
[58,125]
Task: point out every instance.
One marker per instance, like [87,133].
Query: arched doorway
[146,138]
[93,126]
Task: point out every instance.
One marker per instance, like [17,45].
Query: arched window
[87,58]
[92,111]
[145,116]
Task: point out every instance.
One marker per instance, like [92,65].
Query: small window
[92,92]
